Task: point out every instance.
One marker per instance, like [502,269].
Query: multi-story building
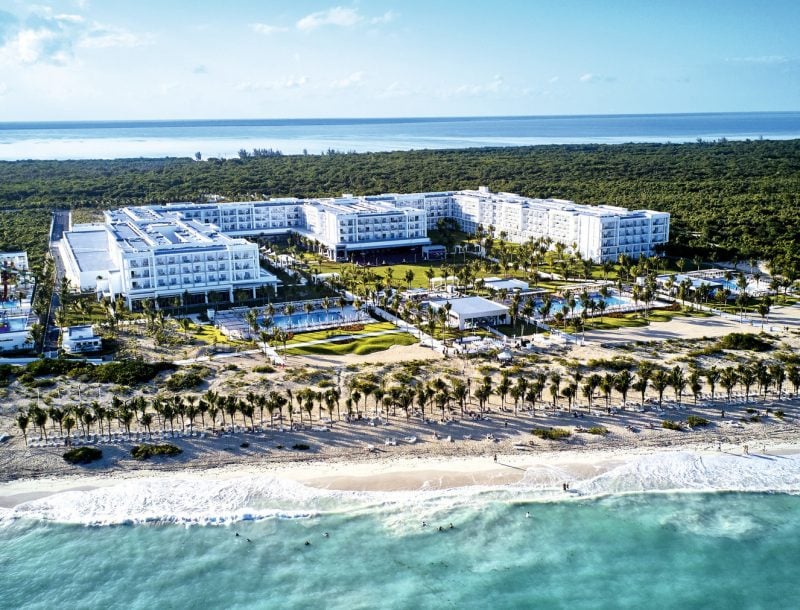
[178,248]
[151,252]
[598,233]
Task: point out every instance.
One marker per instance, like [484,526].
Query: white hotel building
[168,250]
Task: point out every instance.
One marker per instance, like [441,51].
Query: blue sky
[156,59]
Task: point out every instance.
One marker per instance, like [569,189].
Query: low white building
[15,260]
[16,323]
[471,312]
[80,339]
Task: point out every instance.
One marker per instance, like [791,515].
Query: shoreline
[541,472]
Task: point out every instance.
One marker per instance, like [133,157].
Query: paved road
[60,224]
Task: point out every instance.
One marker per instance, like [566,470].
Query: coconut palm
[678,382]
[728,379]
[555,383]
[660,382]
[69,424]
[712,377]
[23,419]
[694,384]
[747,377]
[606,386]
[778,374]
[622,383]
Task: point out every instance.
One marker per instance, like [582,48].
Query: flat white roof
[509,284]
[471,307]
[90,249]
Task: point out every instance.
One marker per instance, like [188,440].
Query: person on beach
[495,457]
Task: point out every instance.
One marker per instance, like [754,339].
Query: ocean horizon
[224,138]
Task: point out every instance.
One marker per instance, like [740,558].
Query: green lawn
[359,346]
[333,332]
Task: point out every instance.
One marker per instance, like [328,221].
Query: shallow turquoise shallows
[650,550]
[214,138]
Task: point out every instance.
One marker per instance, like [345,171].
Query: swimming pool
[315,318]
[558,303]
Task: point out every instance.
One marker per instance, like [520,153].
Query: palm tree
[569,393]
[69,424]
[660,381]
[409,278]
[728,379]
[712,377]
[747,376]
[22,421]
[146,420]
[622,383]
[555,383]
[778,374]
[502,389]
[678,381]
[39,417]
[606,386]
[694,384]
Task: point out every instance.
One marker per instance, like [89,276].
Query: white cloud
[293,82]
[493,86]
[48,38]
[596,78]
[266,29]
[385,18]
[339,16]
[348,81]
[32,46]
[553,79]
[105,37]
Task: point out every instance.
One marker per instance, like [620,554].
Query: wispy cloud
[348,81]
[338,16]
[387,17]
[293,82]
[553,79]
[596,78]
[472,90]
[105,37]
[761,59]
[266,29]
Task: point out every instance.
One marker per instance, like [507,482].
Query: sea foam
[193,499]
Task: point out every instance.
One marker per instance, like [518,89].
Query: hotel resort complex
[200,250]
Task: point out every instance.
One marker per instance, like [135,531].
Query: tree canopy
[736,198]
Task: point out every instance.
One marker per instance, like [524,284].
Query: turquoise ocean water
[224,138]
[657,532]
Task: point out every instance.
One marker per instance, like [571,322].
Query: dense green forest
[734,198]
